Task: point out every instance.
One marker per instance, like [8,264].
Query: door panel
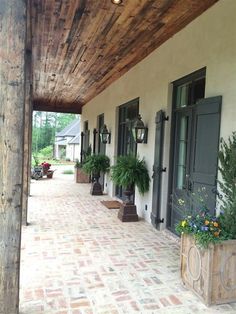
[195,154]
[203,172]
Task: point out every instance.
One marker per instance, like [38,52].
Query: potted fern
[130,171]
[94,165]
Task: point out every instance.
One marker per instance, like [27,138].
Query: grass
[69,171]
[52,161]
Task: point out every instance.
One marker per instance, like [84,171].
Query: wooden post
[12,89]
[30,140]
[28,117]
[27,137]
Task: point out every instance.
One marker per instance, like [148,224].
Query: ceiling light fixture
[116,1]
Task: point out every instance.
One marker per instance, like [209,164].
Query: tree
[227,158]
[45,126]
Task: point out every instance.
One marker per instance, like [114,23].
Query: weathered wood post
[28,117]
[27,155]
[12,89]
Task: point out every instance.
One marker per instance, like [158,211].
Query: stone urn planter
[210,273]
[94,165]
[128,211]
[128,172]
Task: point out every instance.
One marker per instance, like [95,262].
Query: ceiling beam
[62,107]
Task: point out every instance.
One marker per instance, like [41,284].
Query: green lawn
[53,162]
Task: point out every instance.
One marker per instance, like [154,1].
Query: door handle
[188,183]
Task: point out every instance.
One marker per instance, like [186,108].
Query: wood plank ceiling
[81,46]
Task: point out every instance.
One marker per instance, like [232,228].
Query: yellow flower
[183,223]
[181,202]
[207,222]
[216,234]
[216,224]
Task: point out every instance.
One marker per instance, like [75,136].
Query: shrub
[47,152]
[227,158]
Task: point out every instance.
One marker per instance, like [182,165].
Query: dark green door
[195,155]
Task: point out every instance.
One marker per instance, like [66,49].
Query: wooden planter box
[81,176]
[209,273]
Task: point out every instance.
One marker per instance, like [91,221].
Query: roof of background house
[61,141]
[73,129]
[75,140]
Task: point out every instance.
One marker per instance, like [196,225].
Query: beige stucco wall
[209,41]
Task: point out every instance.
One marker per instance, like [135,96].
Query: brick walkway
[77,257]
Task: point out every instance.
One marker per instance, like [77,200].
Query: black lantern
[105,136]
[139,131]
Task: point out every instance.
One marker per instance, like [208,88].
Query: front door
[195,147]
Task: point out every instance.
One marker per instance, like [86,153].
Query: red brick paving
[78,258]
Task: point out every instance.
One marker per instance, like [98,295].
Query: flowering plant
[204,226]
[46,166]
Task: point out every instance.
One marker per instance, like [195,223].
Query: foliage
[36,160]
[227,158]
[205,227]
[46,152]
[130,171]
[96,163]
[78,164]
[45,125]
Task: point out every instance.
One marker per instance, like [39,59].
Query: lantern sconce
[140,131]
[105,135]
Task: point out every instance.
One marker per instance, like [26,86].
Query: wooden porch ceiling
[81,46]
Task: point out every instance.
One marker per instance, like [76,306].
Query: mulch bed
[111,204]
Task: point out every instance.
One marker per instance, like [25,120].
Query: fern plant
[130,171]
[95,164]
[227,158]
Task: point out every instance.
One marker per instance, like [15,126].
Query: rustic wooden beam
[12,80]
[44,105]
[28,116]
[30,139]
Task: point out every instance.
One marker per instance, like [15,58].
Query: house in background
[67,142]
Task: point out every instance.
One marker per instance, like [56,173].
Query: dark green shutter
[158,167]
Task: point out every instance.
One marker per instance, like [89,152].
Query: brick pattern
[78,258]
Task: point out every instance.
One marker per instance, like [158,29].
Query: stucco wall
[209,41]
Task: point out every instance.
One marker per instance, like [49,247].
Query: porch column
[12,89]
[28,117]
[27,151]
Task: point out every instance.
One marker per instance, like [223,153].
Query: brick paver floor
[77,257]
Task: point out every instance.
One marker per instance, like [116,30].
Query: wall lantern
[139,131]
[105,135]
